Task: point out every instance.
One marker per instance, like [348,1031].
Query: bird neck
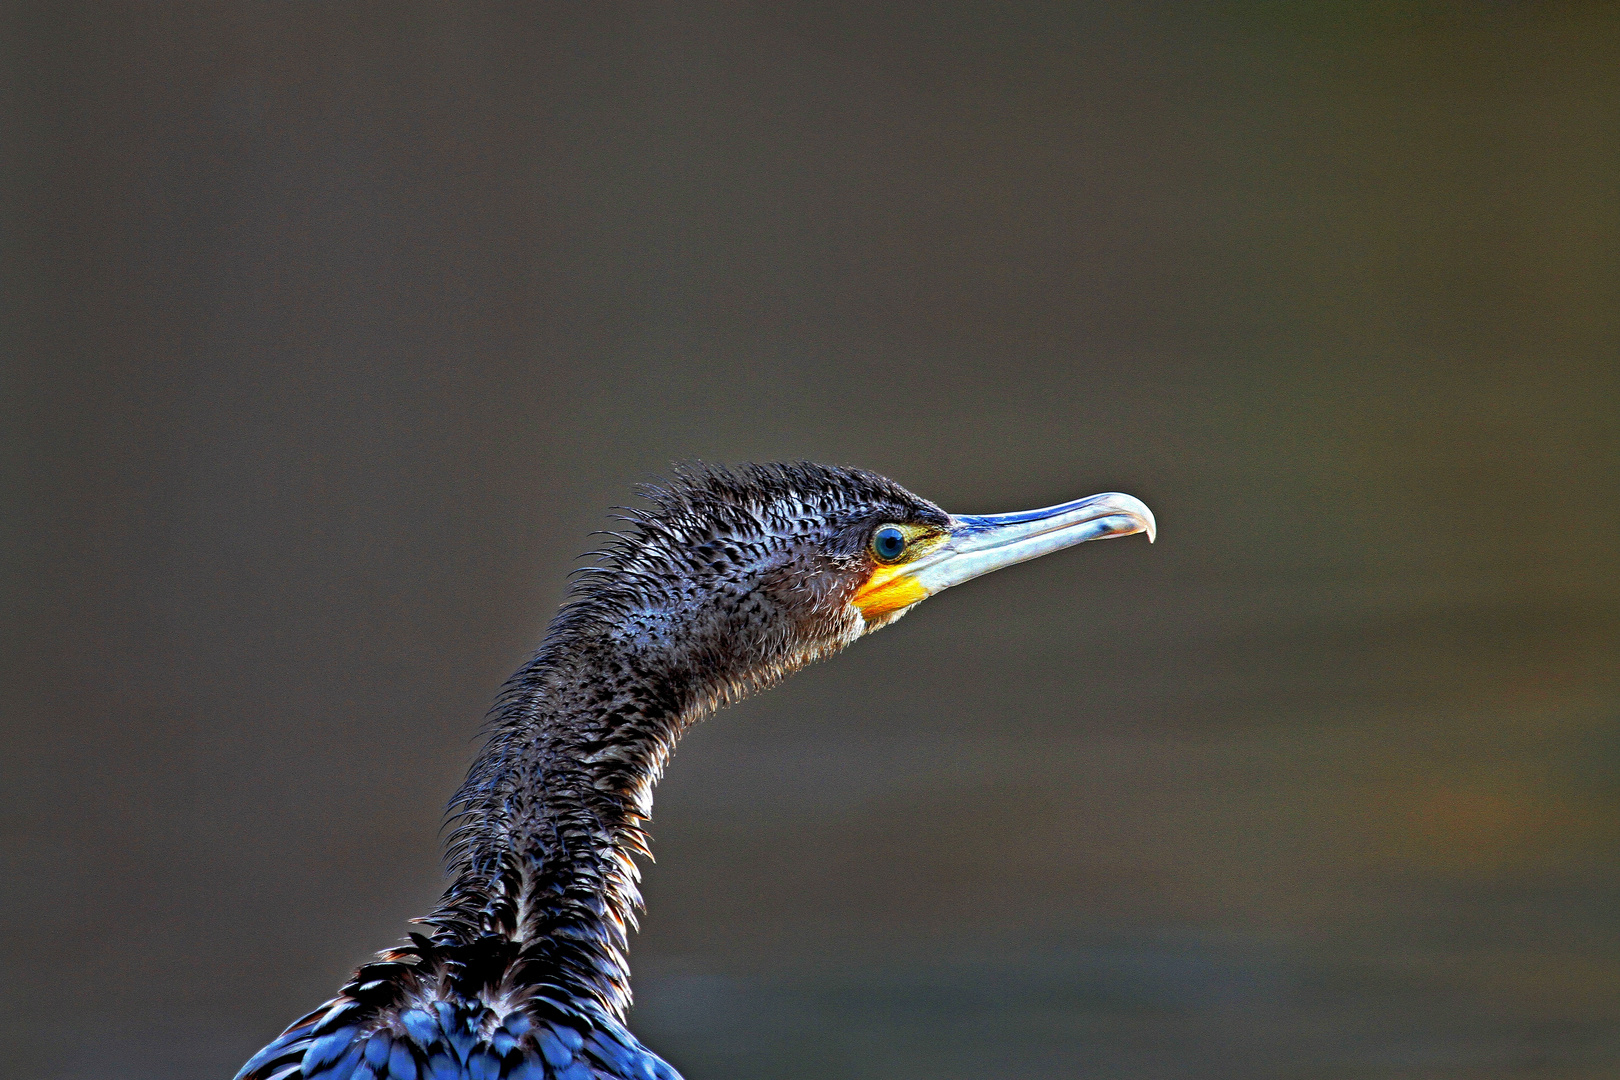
[550,817]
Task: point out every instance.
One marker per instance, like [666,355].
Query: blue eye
[888,543]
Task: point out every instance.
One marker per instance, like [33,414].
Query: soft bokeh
[338,326]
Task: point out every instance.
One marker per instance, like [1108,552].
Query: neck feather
[550,817]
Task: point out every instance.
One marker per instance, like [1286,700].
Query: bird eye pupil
[889,542]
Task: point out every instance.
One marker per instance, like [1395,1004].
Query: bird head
[739,576]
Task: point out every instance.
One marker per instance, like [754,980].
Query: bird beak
[977,545]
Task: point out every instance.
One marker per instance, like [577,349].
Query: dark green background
[335,327]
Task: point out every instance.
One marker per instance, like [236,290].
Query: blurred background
[335,327]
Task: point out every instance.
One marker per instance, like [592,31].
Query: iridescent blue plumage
[454,1043]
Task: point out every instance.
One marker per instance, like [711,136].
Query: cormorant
[730,580]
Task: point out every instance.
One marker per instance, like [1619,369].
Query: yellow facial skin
[890,588]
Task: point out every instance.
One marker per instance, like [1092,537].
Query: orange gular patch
[888,590]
